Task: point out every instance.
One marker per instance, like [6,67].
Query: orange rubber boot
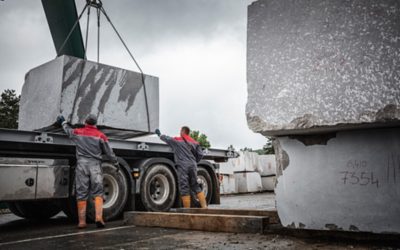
[82,214]
[98,205]
[202,199]
[186,201]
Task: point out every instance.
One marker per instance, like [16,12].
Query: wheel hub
[111,190]
[159,189]
[203,184]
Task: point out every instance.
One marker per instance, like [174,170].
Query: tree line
[9,108]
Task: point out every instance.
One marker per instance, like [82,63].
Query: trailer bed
[57,145]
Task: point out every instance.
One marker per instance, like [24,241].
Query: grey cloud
[147,24]
[166,18]
[154,30]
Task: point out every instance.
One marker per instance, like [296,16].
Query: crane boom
[61,16]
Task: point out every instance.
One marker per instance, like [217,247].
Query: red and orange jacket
[184,151]
[90,142]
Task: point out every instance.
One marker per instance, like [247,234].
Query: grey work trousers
[187,179]
[88,178]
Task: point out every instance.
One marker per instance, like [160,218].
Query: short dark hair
[186,130]
[91,120]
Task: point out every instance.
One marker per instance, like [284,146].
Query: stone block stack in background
[248,173]
[267,171]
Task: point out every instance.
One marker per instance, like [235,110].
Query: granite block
[75,88]
[322,65]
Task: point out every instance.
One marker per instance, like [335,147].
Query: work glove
[158,132]
[60,119]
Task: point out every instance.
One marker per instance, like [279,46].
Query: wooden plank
[203,222]
[272,214]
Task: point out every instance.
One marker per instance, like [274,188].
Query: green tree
[267,149]
[200,138]
[9,108]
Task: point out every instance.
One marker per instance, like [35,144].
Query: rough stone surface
[76,88]
[322,65]
[350,183]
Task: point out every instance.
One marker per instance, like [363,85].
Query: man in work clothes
[187,153]
[90,145]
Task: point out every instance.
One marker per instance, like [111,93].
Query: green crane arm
[61,16]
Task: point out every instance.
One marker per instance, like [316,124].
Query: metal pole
[98,35]
[133,58]
[87,31]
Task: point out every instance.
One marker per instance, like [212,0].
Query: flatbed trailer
[37,175]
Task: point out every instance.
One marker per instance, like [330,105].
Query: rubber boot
[98,205]
[82,214]
[202,199]
[186,201]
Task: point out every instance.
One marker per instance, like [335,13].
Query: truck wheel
[35,209]
[68,205]
[204,180]
[115,193]
[13,208]
[158,188]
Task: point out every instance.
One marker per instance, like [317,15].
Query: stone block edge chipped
[384,118]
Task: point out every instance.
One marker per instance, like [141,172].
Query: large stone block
[247,161]
[268,183]
[267,165]
[228,184]
[75,88]
[342,181]
[248,182]
[322,65]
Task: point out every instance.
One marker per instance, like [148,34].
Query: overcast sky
[196,47]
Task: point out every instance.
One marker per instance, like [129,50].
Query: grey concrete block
[75,88]
[322,65]
[346,181]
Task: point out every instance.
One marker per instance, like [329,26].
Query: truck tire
[204,180]
[116,190]
[13,208]
[68,205]
[35,209]
[158,188]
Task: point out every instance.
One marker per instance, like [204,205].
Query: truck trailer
[37,165]
[37,175]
